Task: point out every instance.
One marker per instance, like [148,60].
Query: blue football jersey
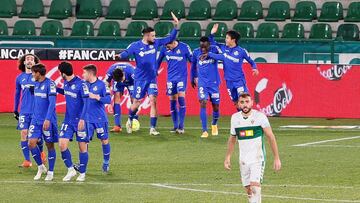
[44,101]
[129,72]
[95,110]
[233,60]
[24,82]
[145,56]
[177,61]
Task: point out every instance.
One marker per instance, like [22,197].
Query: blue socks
[132,114]
[153,121]
[25,150]
[106,153]
[203,118]
[84,158]
[36,155]
[40,144]
[215,117]
[117,114]
[51,159]
[182,111]
[66,157]
[174,113]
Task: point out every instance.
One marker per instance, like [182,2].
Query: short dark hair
[21,65]
[91,68]
[147,30]
[39,68]
[118,74]
[244,95]
[66,68]
[204,39]
[233,35]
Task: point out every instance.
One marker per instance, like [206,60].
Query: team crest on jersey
[141,54]
[33,79]
[73,86]
[151,46]
[178,51]
[85,88]
[42,87]
[252,121]
[95,88]
[236,53]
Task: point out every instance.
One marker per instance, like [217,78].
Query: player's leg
[256,176]
[172,93]
[33,135]
[215,100]
[51,137]
[103,136]
[203,97]
[245,178]
[23,126]
[138,94]
[152,91]
[181,88]
[232,93]
[40,144]
[117,112]
[83,158]
[66,134]
[238,89]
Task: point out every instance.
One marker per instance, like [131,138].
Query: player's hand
[176,20]
[214,28]
[16,115]
[277,165]
[94,96]
[81,125]
[46,125]
[194,82]
[110,108]
[255,72]
[227,164]
[203,56]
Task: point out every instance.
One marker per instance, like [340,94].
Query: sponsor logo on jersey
[246,133]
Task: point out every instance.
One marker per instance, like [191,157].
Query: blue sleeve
[215,43]
[216,56]
[17,95]
[127,52]
[60,90]
[166,40]
[51,108]
[249,59]
[160,58]
[109,75]
[194,73]
[84,108]
[188,53]
[105,98]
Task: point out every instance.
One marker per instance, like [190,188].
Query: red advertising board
[298,90]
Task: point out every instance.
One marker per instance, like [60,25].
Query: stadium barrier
[290,90]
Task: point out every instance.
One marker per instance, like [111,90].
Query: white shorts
[253,172]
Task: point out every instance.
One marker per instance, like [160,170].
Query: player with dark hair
[24,97]
[205,75]
[233,56]
[76,94]
[145,51]
[43,123]
[96,118]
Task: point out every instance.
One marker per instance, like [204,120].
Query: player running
[76,93]
[43,123]
[177,54]
[145,51]
[25,93]
[205,75]
[123,76]
[248,128]
[233,57]
[96,118]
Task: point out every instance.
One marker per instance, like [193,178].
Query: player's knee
[117,98]
[32,143]
[50,146]
[82,147]
[63,145]
[215,107]
[105,141]
[23,135]
[203,103]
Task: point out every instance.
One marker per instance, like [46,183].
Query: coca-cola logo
[282,98]
[335,72]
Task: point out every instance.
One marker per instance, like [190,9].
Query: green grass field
[174,168]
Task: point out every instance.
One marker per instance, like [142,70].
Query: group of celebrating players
[86,99]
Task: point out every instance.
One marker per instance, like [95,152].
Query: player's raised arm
[274,148]
[173,33]
[211,36]
[127,52]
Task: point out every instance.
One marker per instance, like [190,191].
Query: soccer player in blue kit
[205,75]
[124,74]
[43,123]
[233,57]
[76,94]
[177,54]
[96,118]
[145,51]
[24,96]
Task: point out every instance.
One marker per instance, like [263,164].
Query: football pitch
[318,165]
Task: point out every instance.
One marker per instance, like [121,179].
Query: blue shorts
[204,93]
[36,131]
[24,121]
[120,87]
[236,88]
[68,130]
[174,87]
[101,130]
[141,87]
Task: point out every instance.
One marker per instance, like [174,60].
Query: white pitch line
[325,141]
[297,186]
[243,194]
[336,146]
